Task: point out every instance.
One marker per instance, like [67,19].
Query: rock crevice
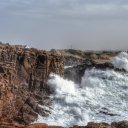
[23,82]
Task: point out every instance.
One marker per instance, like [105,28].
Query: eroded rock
[76,72]
[23,82]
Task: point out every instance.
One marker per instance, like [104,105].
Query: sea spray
[100,95]
[121,61]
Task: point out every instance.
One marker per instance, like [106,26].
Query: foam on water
[65,67]
[101,96]
[121,61]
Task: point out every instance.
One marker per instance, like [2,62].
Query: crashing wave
[121,61]
[102,96]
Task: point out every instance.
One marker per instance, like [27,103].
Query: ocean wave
[101,96]
[121,61]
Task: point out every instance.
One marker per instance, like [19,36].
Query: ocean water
[102,96]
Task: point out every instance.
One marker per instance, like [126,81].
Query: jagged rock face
[75,73]
[23,82]
[71,60]
[75,57]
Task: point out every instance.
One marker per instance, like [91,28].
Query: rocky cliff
[75,57]
[24,72]
[76,72]
[23,82]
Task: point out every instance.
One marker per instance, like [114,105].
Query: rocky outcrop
[72,60]
[23,82]
[121,124]
[76,72]
[75,57]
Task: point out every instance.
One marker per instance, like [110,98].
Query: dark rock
[75,73]
[121,124]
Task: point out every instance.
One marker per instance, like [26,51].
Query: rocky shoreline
[76,72]
[24,72]
[121,124]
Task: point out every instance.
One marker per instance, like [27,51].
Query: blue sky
[82,24]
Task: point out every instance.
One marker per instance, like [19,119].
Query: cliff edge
[23,82]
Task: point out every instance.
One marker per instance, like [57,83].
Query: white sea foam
[121,61]
[101,96]
[100,92]
[65,67]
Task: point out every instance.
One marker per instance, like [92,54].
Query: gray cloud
[73,8]
[85,24]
